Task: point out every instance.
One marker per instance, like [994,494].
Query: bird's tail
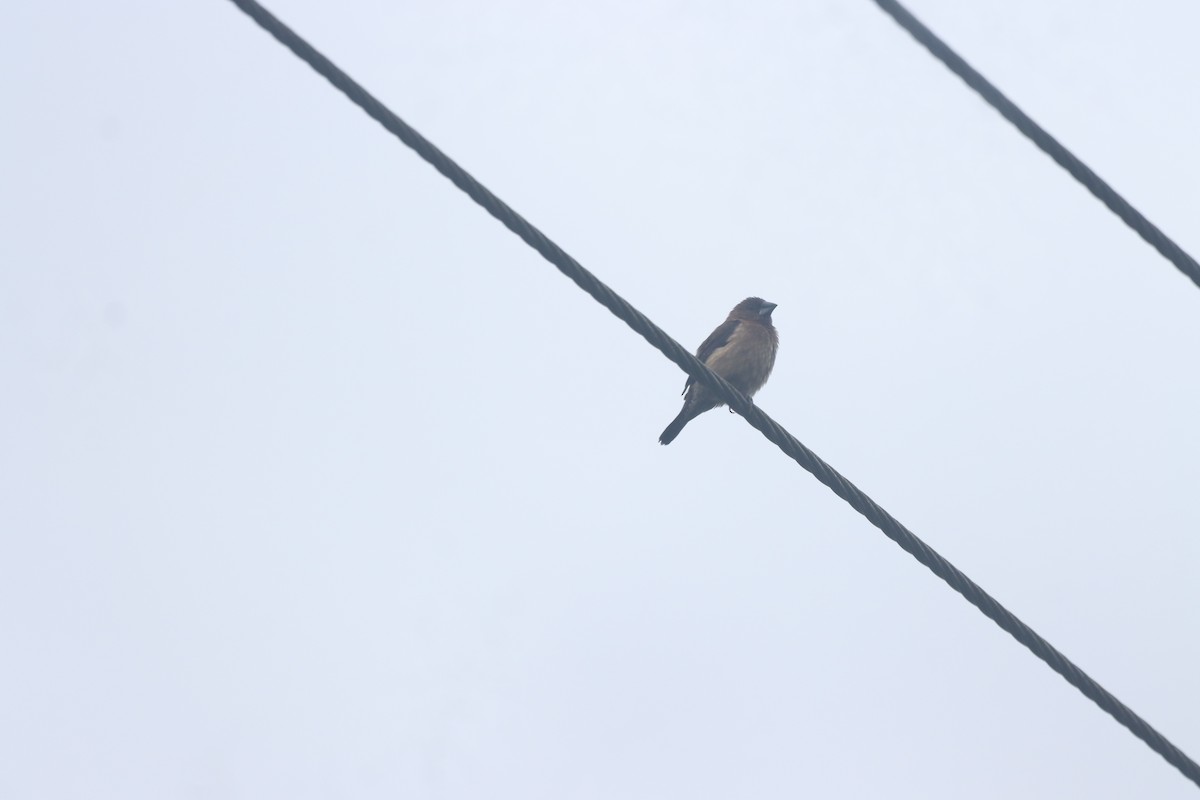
[685,416]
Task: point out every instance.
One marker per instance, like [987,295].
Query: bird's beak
[768,308]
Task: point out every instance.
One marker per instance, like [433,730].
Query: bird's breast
[747,358]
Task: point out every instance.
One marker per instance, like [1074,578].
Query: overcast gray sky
[318,483]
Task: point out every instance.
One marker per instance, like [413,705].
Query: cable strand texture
[826,474]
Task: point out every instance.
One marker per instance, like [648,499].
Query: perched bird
[741,350]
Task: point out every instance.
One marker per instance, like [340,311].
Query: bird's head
[753,308]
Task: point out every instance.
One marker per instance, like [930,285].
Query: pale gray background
[318,483]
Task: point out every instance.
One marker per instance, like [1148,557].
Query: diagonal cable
[736,400]
[1048,144]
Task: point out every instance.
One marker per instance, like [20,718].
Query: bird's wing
[715,341]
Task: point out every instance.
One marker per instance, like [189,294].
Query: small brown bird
[741,350]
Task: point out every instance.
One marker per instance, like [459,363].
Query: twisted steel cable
[1047,143]
[826,474]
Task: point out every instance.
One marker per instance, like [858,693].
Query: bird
[741,350]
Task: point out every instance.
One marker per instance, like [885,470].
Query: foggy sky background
[320,483]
